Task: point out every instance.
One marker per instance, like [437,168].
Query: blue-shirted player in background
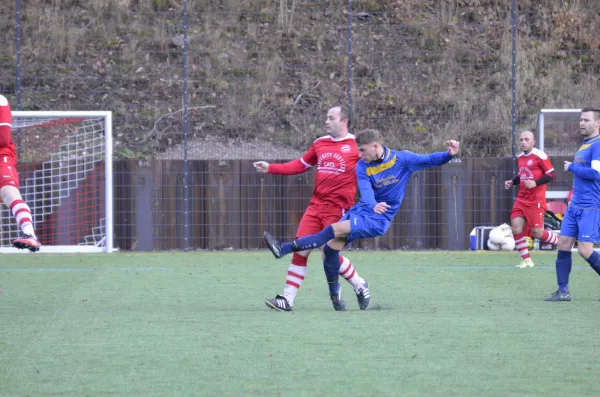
[382,176]
[582,220]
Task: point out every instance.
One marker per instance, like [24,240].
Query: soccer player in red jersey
[9,182]
[335,155]
[535,171]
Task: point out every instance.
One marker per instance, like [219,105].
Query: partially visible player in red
[535,171]
[335,155]
[9,182]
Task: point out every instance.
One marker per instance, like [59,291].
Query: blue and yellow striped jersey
[385,180]
[586,175]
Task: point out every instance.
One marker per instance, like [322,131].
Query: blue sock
[309,242]
[331,265]
[594,261]
[563,269]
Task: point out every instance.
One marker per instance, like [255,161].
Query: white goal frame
[561,194]
[107,242]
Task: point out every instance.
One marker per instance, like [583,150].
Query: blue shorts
[582,224]
[365,223]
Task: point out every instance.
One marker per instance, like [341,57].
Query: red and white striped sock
[295,277]
[22,214]
[549,237]
[348,271]
[521,245]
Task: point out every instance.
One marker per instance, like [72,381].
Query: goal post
[556,120]
[558,134]
[66,177]
[561,127]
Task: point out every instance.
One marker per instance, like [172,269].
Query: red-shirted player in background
[535,170]
[9,182]
[335,156]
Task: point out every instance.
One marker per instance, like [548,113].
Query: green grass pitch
[194,324]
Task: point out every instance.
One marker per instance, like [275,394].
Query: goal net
[65,172]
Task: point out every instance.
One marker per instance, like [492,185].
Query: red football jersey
[7,148]
[335,180]
[532,166]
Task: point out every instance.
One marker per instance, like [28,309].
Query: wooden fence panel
[230,205]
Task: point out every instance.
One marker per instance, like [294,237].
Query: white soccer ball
[508,244]
[505,227]
[497,235]
[501,238]
[493,246]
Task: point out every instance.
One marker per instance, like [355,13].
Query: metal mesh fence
[200,89]
[559,64]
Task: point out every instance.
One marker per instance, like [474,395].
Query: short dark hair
[344,113]
[595,111]
[367,136]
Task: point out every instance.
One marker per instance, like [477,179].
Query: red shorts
[317,218]
[533,214]
[8,176]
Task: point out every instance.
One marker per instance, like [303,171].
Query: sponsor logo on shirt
[525,173]
[331,163]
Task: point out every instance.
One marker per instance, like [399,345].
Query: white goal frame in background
[103,234]
[561,194]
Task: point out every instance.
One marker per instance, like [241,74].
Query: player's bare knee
[9,194]
[565,244]
[517,225]
[341,229]
[584,250]
[516,230]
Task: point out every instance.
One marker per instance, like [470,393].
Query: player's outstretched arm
[417,162]
[290,168]
[297,166]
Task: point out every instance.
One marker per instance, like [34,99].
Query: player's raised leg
[347,269]
[296,272]
[546,236]
[586,250]
[517,224]
[22,213]
[313,221]
[340,229]
[9,181]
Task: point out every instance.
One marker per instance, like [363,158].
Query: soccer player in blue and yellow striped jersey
[582,219]
[382,175]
